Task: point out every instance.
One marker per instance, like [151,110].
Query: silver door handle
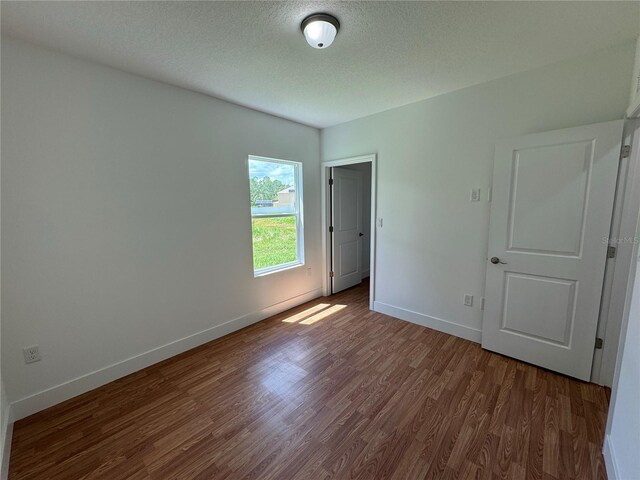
[496,260]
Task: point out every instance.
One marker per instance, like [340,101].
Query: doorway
[349,223]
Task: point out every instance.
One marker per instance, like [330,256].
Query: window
[275,187]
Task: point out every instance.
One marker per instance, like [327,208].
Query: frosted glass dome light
[320,29]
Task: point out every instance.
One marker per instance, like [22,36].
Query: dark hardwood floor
[327,390]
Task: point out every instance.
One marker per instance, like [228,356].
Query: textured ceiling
[387,54]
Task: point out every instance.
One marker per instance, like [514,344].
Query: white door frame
[631,217]
[326,243]
[612,322]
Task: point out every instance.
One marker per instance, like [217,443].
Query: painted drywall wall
[365,168]
[4,418]
[125,217]
[432,247]
[623,438]
[4,427]
[5,441]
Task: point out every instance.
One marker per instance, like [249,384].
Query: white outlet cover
[475,195]
[31,354]
[468,300]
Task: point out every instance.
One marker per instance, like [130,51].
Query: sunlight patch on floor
[306,313]
[322,314]
[313,314]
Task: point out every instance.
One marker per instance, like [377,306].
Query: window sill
[280,268]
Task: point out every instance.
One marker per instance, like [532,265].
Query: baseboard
[366,273]
[7,432]
[39,401]
[439,324]
[610,461]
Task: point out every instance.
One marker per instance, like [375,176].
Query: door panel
[348,258]
[347,193]
[550,216]
[539,199]
[554,318]
[346,197]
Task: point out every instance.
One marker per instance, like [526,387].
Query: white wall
[433,245]
[365,168]
[4,420]
[126,222]
[634,102]
[5,438]
[623,436]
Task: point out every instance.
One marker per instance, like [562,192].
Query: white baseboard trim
[439,324]
[39,401]
[7,433]
[610,461]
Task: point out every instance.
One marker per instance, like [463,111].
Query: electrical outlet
[468,300]
[32,354]
[475,195]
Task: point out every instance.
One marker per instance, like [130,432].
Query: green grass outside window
[274,241]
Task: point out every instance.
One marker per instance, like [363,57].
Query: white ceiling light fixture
[320,29]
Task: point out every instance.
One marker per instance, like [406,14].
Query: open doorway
[349,222]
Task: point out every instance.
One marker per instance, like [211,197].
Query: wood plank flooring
[328,390]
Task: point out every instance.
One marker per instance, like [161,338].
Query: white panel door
[346,220]
[550,215]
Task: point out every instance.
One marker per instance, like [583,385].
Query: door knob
[496,260]
[361,234]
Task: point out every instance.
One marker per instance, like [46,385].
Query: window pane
[272,187]
[275,190]
[274,241]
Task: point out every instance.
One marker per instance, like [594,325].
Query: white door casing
[346,213]
[551,210]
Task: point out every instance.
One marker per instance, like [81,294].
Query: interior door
[346,220]
[550,217]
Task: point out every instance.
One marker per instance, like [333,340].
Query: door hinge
[331,274]
[626,151]
[331,181]
[599,343]
[331,229]
[611,251]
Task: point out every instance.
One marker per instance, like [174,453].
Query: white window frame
[298,214]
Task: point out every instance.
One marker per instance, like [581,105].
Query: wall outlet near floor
[32,354]
[468,300]
[475,195]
